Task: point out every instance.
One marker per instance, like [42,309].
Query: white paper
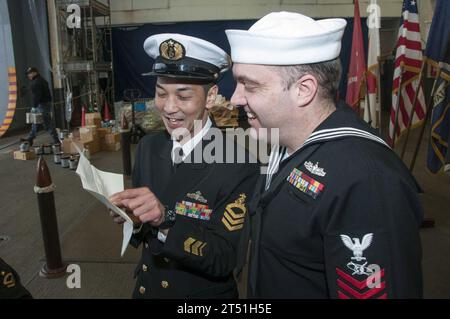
[102,185]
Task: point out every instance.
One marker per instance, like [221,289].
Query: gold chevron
[231,228]
[233,221]
[195,248]
[187,244]
[201,249]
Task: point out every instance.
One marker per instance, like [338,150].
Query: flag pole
[379,95]
[413,108]
[397,108]
[367,98]
[427,117]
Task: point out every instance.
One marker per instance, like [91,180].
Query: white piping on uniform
[277,153]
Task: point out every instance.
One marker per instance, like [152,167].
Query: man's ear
[305,90]
[211,96]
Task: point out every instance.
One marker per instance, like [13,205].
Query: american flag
[409,53]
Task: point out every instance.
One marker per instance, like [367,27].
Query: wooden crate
[24,156]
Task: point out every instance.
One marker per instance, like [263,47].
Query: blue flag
[439,30]
[438,151]
[438,54]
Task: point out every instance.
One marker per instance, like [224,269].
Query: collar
[189,146]
[342,123]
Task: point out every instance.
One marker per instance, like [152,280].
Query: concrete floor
[90,239]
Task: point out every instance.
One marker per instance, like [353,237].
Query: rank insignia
[198,197]
[172,50]
[305,184]
[194,246]
[234,215]
[360,279]
[193,210]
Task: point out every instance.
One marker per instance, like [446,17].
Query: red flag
[357,63]
[106,114]
[83,116]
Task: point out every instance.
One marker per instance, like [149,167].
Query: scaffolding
[86,53]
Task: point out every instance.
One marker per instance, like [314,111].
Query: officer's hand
[142,203]
[116,218]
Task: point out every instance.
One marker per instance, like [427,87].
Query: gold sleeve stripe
[201,249]
[194,246]
[187,244]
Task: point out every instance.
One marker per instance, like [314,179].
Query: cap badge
[172,50]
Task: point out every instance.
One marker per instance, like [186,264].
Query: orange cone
[106,114]
[83,116]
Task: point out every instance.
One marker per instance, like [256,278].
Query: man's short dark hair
[208,86]
[328,75]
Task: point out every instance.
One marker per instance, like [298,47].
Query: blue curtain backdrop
[130,60]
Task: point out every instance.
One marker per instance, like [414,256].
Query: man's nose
[171,105]
[238,99]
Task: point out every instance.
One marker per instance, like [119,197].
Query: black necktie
[177,156]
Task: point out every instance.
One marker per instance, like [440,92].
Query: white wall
[125,12]
[144,11]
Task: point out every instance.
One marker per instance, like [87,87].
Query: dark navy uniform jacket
[199,255]
[340,219]
[10,285]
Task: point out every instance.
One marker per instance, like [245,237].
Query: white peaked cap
[185,56]
[287,38]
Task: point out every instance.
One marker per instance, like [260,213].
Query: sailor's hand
[142,203]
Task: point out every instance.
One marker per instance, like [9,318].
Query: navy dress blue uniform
[339,219]
[199,255]
[209,195]
[10,285]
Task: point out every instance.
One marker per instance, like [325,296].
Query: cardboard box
[94,119]
[24,156]
[112,138]
[103,131]
[88,133]
[68,147]
[111,147]
[93,146]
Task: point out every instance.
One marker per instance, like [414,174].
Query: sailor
[192,209]
[338,214]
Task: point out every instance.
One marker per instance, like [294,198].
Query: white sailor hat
[185,57]
[287,38]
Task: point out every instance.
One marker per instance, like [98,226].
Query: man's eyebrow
[160,87]
[243,78]
[183,89]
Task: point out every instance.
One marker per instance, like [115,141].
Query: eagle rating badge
[360,280]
